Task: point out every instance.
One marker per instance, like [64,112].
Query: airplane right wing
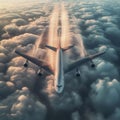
[67,48]
[82,61]
[40,63]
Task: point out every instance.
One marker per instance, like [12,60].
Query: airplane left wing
[40,63]
[51,47]
[82,61]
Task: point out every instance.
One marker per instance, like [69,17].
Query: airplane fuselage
[59,71]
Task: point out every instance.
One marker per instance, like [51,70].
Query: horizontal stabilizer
[67,48]
[50,47]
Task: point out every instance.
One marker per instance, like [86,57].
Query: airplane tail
[55,49]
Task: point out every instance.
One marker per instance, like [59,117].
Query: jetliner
[59,68]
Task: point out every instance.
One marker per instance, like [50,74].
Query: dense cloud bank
[99,27]
[94,96]
[20,29]
[22,105]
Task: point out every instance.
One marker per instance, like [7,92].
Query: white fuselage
[59,72]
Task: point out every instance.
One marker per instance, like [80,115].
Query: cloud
[90,22]
[23,40]
[111,54]
[5,36]
[113,33]
[101,12]
[19,22]
[71,101]
[31,29]
[93,96]
[23,105]
[103,68]
[105,95]
[2,68]
[3,58]
[28,76]
[9,16]
[6,88]
[75,116]
[21,34]
[12,18]
[115,115]
[11,29]
[100,32]
[108,19]
[87,15]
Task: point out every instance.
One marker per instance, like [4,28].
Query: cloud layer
[94,96]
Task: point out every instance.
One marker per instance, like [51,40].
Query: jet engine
[26,64]
[39,72]
[78,73]
[92,65]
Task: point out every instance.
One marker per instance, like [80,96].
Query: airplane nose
[59,88]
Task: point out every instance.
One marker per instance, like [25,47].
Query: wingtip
[16,51]
[104,51]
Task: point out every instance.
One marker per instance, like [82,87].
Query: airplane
[59,71]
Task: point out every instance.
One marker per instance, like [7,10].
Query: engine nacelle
[92,65]
[39,72]
[78,73]
[26,63]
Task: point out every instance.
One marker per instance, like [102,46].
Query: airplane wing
[40,63]
[67,48]
[82,61]
[51,47]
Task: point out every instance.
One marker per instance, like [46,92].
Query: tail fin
[67,48]
[51,47]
